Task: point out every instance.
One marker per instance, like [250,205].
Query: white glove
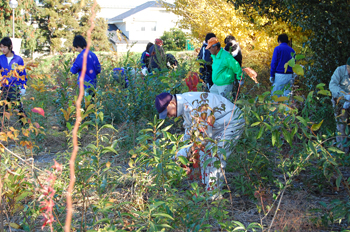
[347,97]
[144,71]
[272,79]
[346,105]
[22,92]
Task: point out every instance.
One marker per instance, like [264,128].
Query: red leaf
[39,111]
[36,125]
[57,166]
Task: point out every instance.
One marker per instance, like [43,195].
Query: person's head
[229,38]
[209,36]
[159,42]
[6,46]
[149,45]
[213,46]
[166,105]
[228,47]
[283,38]
[79,43]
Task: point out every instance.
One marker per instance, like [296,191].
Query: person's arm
[274,63]
[22,73]
[97,65]
[234,66]
[334,84]
[76,65]
[143,60]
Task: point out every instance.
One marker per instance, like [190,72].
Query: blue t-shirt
[93,67]
[281,55]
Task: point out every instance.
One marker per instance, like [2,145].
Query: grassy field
[285,173]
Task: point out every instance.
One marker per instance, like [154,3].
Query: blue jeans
[281,82]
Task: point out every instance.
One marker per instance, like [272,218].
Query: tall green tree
[328,22]
[174,40]
[99,38]
[23,21]
[57,20]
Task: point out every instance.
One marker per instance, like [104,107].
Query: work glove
[272,80]
[22,92]
[144,71]
[346,105]
[347,97]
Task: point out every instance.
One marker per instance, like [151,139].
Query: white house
[140,25]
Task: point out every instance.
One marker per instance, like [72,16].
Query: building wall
[149,24]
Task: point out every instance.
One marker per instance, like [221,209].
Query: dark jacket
[145,59]
[6,68]
[281,55]
[157,57]
[235,50]
[93,67]
[205,69]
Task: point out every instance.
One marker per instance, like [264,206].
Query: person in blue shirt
[13,76]
[205,69]
[281,55]
[93,66]
[145,56]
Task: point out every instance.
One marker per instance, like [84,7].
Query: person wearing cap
[340,88]
[205,69]
[225,69]
[157,56]
[227,125]
[281,55]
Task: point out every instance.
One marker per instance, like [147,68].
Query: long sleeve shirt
[281,55]
[225,68]
[19,77]
[93,67]
[231,117]
[340,82]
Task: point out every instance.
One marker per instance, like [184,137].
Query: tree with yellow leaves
[257,35]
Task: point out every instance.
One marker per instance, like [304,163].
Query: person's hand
[22,92]
[272,80]
[144,71]
[346,105]
[347,97]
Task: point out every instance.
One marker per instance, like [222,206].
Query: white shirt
[9,59]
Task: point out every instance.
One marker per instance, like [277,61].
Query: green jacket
[224,68]
[340,82]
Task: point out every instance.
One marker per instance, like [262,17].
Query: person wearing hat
[225,69]
[340,88]
[221,125]
[157,58]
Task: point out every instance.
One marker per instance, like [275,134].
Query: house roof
[135,10]
[112,33]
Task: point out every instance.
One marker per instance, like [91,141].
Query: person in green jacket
[340,88]
[225,69]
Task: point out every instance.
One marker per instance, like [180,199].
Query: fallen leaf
[39,111]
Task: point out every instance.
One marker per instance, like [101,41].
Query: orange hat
[159,42]
[211,42]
